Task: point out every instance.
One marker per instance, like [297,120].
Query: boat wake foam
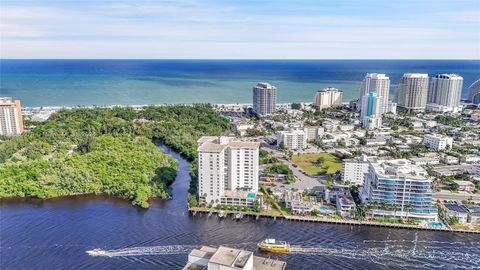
[401,253]
[146,251]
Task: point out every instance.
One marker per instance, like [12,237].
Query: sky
[243,29]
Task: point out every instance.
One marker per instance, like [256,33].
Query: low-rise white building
[447,159]
[438,142]
[313,132]
[354,170]
[372,122]
[242,128]
[455,210]
[293,139]
[422,161]
[470,158]
[466,186]
[392,107]
[346,127]
[345,206]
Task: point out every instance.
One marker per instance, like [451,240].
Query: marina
[194,211]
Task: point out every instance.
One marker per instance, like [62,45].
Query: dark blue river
[54,234]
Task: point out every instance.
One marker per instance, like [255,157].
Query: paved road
[303,181]
[453,196]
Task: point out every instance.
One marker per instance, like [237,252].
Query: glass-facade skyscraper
[399,189]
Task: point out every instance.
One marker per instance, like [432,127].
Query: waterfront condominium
[378,83]
[370,113]
[444,93]
[474,92]
[264,99]
[327,98]
[398,189]
[227,171]
[412,92]
[11,120]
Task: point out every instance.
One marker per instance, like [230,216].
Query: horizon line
[261,59]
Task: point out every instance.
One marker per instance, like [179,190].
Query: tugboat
[272,245]
[97,252]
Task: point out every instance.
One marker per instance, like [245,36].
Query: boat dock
[194,211]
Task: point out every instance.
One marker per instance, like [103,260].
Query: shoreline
[136,106]
[194,210]
[75,198]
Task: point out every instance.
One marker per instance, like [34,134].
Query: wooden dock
[256,216]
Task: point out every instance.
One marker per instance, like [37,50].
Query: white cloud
[186,29]
[232,50]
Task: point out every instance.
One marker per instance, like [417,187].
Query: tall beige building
[328,97]
[11,120]
[226,164]
[412,92]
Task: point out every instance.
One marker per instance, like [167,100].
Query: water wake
[151,250]
[425,257]
[143,251]
[398,253]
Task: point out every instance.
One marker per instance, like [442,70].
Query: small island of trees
[105,151]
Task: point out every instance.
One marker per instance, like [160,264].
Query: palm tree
[384,207]
[374,205]
[409,208]
[395,209]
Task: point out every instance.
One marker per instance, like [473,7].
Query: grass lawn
[466,227]
[306,162]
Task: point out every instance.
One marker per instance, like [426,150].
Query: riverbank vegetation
[109,151]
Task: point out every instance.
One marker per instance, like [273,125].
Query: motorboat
[97,252]
[272,245]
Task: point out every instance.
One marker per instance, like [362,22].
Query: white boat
[97,252]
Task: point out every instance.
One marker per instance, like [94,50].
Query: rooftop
[211,147]
[328,89]
[376,76]
[232,258]
[400,168]
[218,144]
[240,194]
[415,75]
[6,100]
[464,183]
[265,85]
[260,263]
[438,136]
[449,76]
[460,208]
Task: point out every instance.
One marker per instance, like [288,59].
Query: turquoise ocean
[137,82]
